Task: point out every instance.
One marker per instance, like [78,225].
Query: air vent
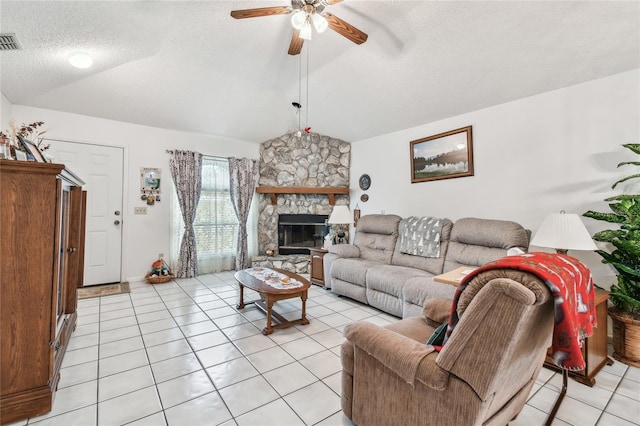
[9,42]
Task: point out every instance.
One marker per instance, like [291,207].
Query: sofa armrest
[437,310]
[345,250]
[407,358]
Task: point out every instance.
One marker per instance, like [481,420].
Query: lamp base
[340,237]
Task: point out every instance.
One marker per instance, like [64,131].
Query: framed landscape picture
[443,156]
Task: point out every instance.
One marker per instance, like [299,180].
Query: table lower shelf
[283,322]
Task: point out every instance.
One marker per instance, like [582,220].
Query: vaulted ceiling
[188,65]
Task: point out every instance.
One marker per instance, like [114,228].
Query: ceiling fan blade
[345,29]
[330,2]
[296,43]
[261,11]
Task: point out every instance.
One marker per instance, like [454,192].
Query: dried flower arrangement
[26,131]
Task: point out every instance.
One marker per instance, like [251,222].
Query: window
[216,225]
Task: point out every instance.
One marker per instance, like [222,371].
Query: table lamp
[340,216]
[562,231]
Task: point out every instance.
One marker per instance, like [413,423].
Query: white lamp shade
[298,19]
[563,231]
[319,22]
[305,32]
[340,215]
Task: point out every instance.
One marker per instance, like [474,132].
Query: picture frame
[443,156]
[364,182]
[32,149]
[150,180]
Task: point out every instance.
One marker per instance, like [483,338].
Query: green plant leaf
[630,247]
[635,147]
[624,197]
[608,235]
[624,180]
[635,163]
[607,217]
[619,208]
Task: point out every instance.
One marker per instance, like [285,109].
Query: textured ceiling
[189,66]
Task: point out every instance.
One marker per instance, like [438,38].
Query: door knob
[117,222]
[117,212]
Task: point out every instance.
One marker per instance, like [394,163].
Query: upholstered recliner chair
[482,375]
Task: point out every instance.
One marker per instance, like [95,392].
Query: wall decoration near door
[442,156]
[150,185]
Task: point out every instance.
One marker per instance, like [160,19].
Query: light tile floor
[180,354]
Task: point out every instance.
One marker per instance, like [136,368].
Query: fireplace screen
[298,232]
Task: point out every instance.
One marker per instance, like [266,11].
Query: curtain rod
[170,151]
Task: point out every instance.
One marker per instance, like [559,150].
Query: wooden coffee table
[270,295]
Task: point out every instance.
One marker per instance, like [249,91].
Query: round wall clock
[365,182]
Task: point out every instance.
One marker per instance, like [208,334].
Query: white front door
[101,168]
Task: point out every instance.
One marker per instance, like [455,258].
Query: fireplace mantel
[331,192]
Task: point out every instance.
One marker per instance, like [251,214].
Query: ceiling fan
[307,13]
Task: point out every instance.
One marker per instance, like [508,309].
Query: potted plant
[625,259]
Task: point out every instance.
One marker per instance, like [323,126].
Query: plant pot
[626,337]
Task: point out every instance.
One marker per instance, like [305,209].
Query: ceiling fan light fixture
[298,19]
[319,22]
[80,60]
[305,32]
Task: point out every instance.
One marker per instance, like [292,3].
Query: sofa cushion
[475,241]
[384,286]
[386,224]
[351,270]
[376,237]
[431,265]
[418,290]
[390,278]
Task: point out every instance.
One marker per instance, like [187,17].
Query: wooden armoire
[42,219]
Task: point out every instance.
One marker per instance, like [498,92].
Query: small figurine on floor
[158,268]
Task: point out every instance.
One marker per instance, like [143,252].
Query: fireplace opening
[298,232]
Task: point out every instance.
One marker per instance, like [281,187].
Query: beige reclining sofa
[376,269]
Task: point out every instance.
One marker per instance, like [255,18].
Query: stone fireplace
[309,161]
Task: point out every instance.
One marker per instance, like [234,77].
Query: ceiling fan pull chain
[308,49]
[299,92]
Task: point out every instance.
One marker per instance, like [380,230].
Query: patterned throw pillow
[420,236]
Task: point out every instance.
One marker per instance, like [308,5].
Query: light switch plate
[140,210]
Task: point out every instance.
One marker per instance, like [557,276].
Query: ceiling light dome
[80,60]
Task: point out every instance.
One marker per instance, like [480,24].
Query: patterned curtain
[186,171]
[243,176]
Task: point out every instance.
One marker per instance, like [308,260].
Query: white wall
[144,236]
[541,154]
[5,112]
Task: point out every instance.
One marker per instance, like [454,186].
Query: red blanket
[573,291]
